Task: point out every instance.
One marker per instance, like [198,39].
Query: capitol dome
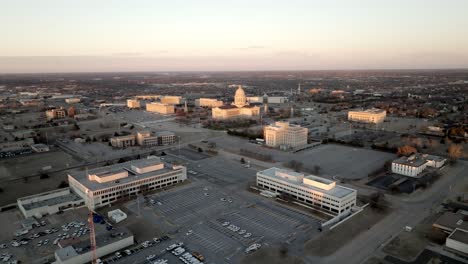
[240,92]
[240,99]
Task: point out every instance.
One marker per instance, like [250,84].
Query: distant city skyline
[208,35]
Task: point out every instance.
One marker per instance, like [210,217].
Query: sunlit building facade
[316,191]
[239,108]
[104,186]
[286,135]
[160,108]
[374,116]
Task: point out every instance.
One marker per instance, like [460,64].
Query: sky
[219,35]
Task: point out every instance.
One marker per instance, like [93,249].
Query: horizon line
[240,71]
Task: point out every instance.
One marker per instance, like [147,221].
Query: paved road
[408,211]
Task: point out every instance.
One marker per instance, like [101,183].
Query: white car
[150,257]
[242,232]
[247,235]
[171,247]
[226,223]
[15,244]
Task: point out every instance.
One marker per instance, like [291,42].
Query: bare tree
[406,150]
[455,151]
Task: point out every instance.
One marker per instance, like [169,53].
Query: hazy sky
[165,35]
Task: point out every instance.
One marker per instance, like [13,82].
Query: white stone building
[133,103]
[160,108]
[144,138]
[283,134]
[315,191]
[374,116]
[48,203]
[105,185]
[415,164]
[172,100]
[209,102]
[239,108]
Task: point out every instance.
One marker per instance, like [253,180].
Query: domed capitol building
[239,108]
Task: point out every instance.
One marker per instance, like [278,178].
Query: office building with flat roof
[209,102]
[145,139]
[373,115]
[316,191]
[285,135]
[160,108]
[123,141]
[56,114]
[415,164]
[172,100]
[133,103]
[105,185]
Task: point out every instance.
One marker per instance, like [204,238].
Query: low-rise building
[123,141]
[78,252]
[56,114]
[209,102]
[415,164]
[103,186]
[268,99]
[144,138]
[285,135]
[458,240]
[166,138]
[16,145]
[72,100]
[450,221]
[172,100]
[133,103]
[315,191]
[49,203]
[116,215]
[160,108]
[374,116]
[40,147]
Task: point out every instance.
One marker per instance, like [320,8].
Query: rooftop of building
[451,221]
[35,201]
[370,111]
[164,133]
[417,159]
[39,145]
[281,124]
[124,136]
[305,181]
[129,167]
[459,235]
[83,245]
[158,103]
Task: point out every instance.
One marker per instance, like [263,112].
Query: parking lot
[218,223]
[39,244]
[334,160]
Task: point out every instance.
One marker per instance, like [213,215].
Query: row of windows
[136,183]
[120,195]
[317,198]
[315,202]
[292,187]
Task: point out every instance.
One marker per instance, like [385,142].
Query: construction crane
[92,234]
